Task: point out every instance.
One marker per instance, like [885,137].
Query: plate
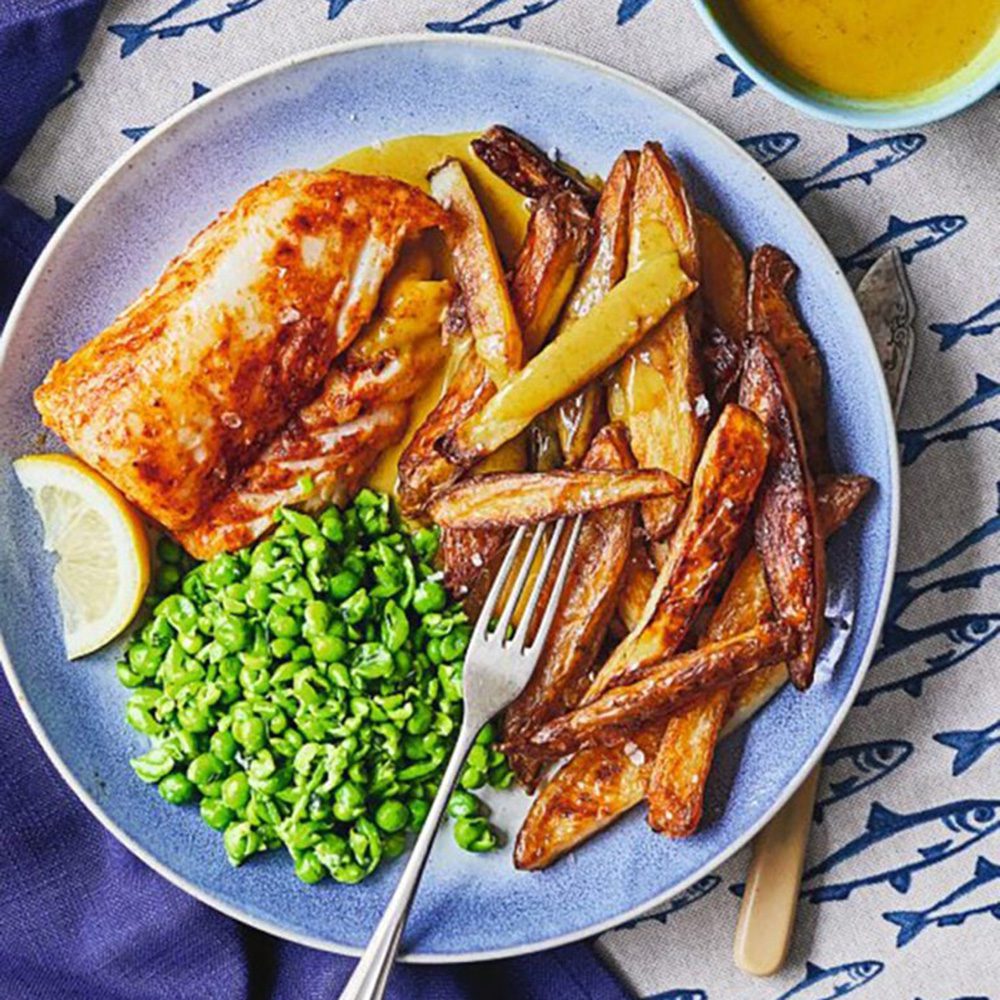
[303,112]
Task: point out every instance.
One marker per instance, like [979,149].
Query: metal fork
[496,670]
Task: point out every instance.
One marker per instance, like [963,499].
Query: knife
[767,913]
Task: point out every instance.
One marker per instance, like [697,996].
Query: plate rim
[835,274]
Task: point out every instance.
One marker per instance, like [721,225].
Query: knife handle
[767,913]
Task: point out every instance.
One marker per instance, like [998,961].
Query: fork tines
[541,586]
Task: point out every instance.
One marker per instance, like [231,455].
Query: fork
[496,670]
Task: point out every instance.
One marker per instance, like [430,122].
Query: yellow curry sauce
[870,49]
[409,159]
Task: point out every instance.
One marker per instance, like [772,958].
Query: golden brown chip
[786,525]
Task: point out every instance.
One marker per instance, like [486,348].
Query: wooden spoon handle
[767,914]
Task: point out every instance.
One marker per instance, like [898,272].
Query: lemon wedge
[103,566]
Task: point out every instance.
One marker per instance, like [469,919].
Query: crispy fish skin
[526,168]
[479,270]
[725,483]
[773,316]
[786,526]
[501,499]
[572,358]
[666,687]
[585,609]
[184,390]
[335,456]
[677,782]
[547,264]
[658,390]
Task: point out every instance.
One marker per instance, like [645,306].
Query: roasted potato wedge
[725,482]
[773,316]
[677,782]
[479,270]
[503,499]
[526,168]
[666,687]
[596,786]
[723,277]
[786,526]
[590,792]
[640,579]
[573,358]
[722,357]
[658,390]
[466,556]
[579,417]
[548,264]
[584,611]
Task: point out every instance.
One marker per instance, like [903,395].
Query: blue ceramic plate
[302,113]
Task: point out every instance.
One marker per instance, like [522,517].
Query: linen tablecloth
[914,773]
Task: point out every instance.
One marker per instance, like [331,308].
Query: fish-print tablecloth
[903,872]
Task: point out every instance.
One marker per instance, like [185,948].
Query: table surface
[930,690]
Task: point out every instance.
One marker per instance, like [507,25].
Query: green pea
[331,525]
[176,789]
[425,541]
[168,551]
[282,647]
[479,757]
[309,868]
[240,841]
[221,570]
[349,873]
[487,735]
[258,597]
[283,625]
[231,634]
[394,844]
[332,851]
[205,768]
[302,523]
[153,765]
[167,578]
[348,802]
[418,813]
[317,617]
[434,651]
[429,596]
[472,778]
[328,648]
[236,791]
[356,607]
[315,546]
[454,645]
[392,815]
[128,677]
[395,628]
[372,660]
[215,813]
[462,803]
[473,833]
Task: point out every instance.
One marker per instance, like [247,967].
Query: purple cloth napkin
[80,917]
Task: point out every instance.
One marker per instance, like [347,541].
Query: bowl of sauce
[865,63]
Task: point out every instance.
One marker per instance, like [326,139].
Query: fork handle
[371,974]
[771,896]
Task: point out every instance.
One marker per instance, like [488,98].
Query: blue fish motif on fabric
[695,994]
[979,324]
[336,8]
[494,14]
[63,206]
[915,441]
[178,19]
[910,238]
[72,86]
[970,745]
[699,890]
[862,161]
[826,984]
[964,633]
[980,896]
[847,770]
[742,84]
[628,9]
[771,146]
[136,132]
[922,838]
